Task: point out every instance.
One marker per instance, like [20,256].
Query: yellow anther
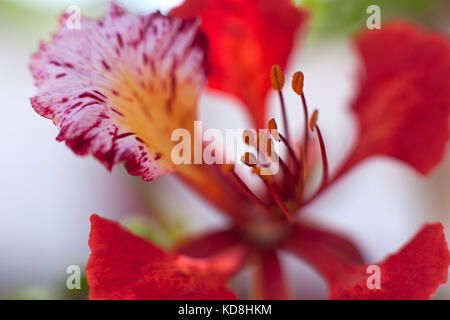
[297,82]
[273,128]
[272,124]
[313,120]
[276,77]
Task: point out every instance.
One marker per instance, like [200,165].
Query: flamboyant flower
[118,87]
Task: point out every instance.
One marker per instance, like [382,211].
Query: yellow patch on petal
[152,108]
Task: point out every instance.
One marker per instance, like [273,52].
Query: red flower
[138,78]
[124,266]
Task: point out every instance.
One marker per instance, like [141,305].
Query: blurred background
[47,193]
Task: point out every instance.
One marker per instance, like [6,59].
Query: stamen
[303,177]
[271,153]
[229,168]
[250,137]
[273,129]
[304,167]
[264,147]
[290,150]
[284,189]
[270,148]
[313,120]
[280,203]
[262,139]
[276,77]
[266,177]
[313,125]
[269,184]
[290,180]
[249,159]
[287,171]
[297,86]
[277,81]
[297,82]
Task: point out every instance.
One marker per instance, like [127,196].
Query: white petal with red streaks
[81,73]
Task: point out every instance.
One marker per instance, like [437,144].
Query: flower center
[285,185]
[265,234]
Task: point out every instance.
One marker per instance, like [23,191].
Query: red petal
[403,105]
[124,266]
[116,88]
[270,282]
[414,272]
[246,39]
[334,244]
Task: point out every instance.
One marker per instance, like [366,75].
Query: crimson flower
[118,87]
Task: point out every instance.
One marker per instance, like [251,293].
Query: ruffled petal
[118,87]
[124,266]
[414,272]
[403,105]
[246,39]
